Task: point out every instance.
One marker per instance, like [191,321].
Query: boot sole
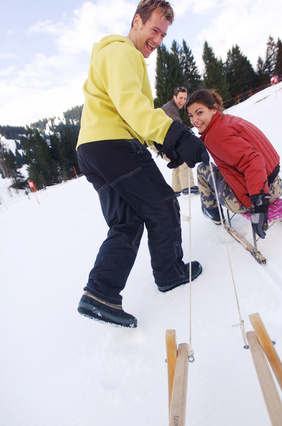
[91,312]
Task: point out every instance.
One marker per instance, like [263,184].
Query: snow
[9,144]
[60,368]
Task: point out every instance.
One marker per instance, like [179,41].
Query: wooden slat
[171,355]
[254,252]
[268,347]
[179,394]
[269,390]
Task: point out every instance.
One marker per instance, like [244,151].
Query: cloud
[22,106]
[6,72]
[88,24]
[202,7]
[245,23]
[50,84]
[7,55]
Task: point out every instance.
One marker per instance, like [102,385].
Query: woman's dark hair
[209,98]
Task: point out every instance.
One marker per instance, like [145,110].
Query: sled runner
[274,215]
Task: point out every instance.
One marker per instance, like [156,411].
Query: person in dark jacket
[181,174]
[247,165]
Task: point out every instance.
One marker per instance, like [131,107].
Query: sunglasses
[180,89]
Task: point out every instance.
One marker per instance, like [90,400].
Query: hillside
[59,368]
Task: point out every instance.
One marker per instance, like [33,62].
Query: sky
[45,46]
[61,369]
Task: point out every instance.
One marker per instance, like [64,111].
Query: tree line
[47,147]
[232,77]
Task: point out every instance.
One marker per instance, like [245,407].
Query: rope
[241,321]
[190,351]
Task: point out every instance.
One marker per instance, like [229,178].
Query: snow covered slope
[59,368]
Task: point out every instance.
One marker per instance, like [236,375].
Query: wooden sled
[274,215]
[177,368]
[266,358]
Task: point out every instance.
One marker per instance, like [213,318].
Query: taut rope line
[241,321]
[190,351]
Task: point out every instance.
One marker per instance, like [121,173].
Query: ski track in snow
[59,368]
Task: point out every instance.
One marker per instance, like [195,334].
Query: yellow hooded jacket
[118,96]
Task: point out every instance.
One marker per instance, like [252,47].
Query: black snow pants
[132,193]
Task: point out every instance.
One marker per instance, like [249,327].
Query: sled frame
[274,215]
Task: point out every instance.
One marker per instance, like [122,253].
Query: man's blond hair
[146,7]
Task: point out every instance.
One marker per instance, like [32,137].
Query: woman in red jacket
[247,165]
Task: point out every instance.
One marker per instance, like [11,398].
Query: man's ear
[136,21]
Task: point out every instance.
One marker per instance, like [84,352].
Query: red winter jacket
[243,154]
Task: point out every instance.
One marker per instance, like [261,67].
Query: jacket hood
[105,41]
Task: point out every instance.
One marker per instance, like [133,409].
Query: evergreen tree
[240,74]
[9,168]
[214,73]
[19,159]
[41,168]
[55,151]
[72,116]
[5,162]
[261,76]
[161,76]
[12,132]
[175,68]
[68,141]
[168,74]
[270,58]
[175,48]
[192,79]
[278,65]
[40,125]
[175,75]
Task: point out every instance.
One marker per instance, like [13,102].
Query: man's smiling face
[148,36]
[180,99]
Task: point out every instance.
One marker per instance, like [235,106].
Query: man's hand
[181,145]
[175,160]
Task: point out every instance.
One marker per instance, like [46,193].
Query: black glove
[192,150]
[175,161]
[259,217]
[181,145]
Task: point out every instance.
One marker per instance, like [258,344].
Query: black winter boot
[94,308]
[196,271]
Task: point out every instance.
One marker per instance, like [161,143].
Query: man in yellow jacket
[118,118]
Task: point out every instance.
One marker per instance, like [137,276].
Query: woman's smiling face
[200,115]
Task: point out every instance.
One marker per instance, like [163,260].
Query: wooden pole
[179,394]
[268,347]
[265,377]
[171,355]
